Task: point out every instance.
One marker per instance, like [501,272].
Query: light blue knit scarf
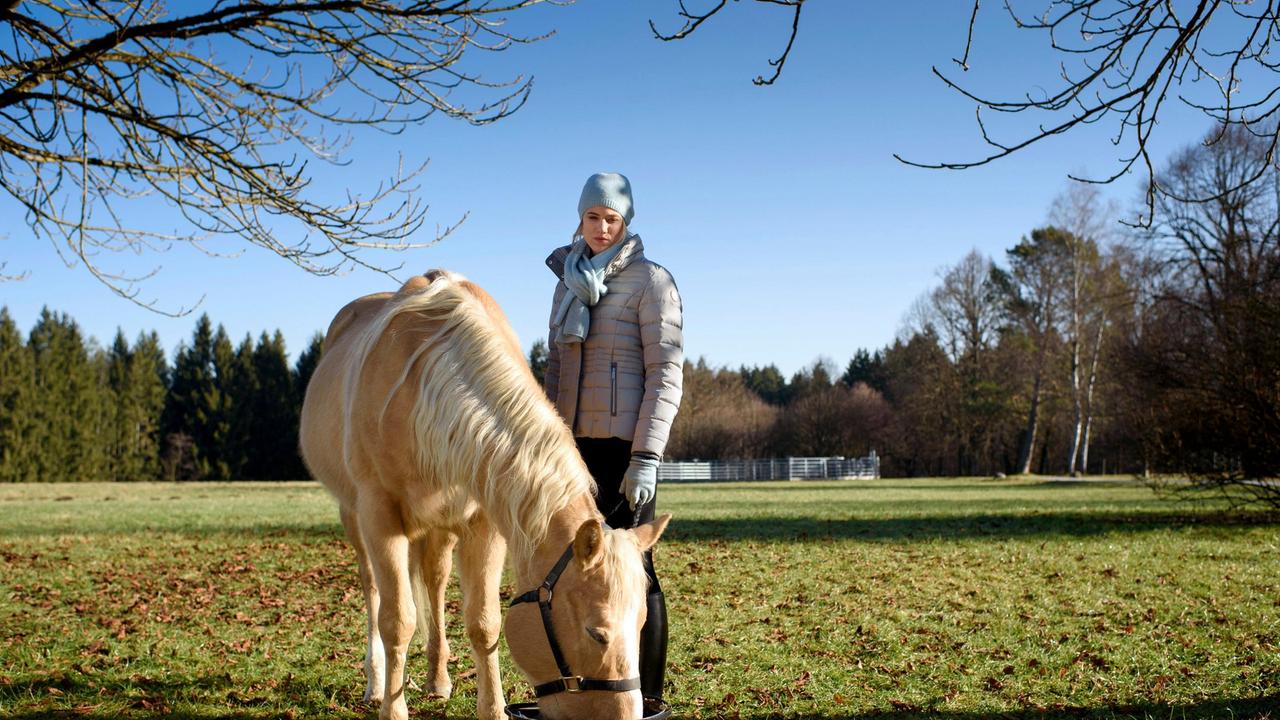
[584,277]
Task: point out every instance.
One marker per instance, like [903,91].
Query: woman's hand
[640,483]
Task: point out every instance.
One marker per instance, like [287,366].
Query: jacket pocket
[613,389]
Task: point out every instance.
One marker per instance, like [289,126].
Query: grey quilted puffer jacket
[625,380]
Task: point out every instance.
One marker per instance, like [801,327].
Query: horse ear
[649,532]
[588,544]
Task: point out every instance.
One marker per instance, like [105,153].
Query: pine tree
[538,359]
[866,368]
[94,418]
[136,382]
[302,372]
[191,412]
[149,386]
[766,382]
[120,413]
[17,381]
[306,365]
[225,451]
[69,432]
[274,416]
[238,384]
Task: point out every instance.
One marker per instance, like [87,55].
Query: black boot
[653,647]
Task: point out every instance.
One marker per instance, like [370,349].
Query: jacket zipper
[613,389]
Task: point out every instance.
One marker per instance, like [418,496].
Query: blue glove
[640,483]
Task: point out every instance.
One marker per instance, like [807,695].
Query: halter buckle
[572,684]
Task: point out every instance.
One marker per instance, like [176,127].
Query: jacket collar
[632,251]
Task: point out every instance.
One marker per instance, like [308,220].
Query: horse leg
[373,652]
[433,558]
[480,557]
[387,547]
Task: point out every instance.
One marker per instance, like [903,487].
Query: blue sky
[789,227]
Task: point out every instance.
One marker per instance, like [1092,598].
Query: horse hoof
[394,711]
[440,691]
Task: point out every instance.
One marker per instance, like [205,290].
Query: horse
[425,423]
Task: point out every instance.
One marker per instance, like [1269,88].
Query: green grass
[953,599]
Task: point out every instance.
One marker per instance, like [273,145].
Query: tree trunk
[1033,426]
[1084,447]
[1077,409]
[1093,381]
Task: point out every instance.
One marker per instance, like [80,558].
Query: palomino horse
[426,424]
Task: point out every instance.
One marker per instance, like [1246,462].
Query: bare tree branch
[1123,59]
[694,19]
[214,111]
[963,62]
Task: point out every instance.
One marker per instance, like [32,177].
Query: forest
[73,411]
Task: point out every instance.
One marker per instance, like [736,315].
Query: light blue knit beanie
[612,190]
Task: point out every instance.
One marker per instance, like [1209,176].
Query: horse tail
[418,588]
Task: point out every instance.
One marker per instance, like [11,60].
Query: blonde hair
[481,424]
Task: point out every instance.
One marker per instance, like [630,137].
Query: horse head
[584,662]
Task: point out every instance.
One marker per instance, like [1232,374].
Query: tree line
[1077,351]
[1154,349]
[71,410]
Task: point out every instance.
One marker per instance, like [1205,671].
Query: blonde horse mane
[482,428]
[629,580]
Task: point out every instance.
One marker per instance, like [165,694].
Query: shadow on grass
[1258,708]
[1046,483]
[148,697]
[960,526]
[955,527]
[232,531]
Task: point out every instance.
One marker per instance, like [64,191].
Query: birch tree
[1086,218]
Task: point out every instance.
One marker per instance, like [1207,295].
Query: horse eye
[598,635]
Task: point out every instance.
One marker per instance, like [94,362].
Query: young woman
[614,371]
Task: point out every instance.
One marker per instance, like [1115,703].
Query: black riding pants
[607,460]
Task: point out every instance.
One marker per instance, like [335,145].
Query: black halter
[567,682]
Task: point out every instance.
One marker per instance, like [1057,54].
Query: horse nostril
[598,635]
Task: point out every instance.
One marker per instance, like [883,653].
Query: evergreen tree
[306,366]
[538,360]
[274,414]
[766,382]
[94,417]
[148,387]
[866,368]
[302,372]
[192,408]
[119,413]
[238,382]
[225,451]
[815,378]
[69,432]
[17,381]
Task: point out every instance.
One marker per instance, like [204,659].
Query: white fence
[795,468]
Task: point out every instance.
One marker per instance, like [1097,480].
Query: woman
[614,371]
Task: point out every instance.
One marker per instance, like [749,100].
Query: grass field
[952,599]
